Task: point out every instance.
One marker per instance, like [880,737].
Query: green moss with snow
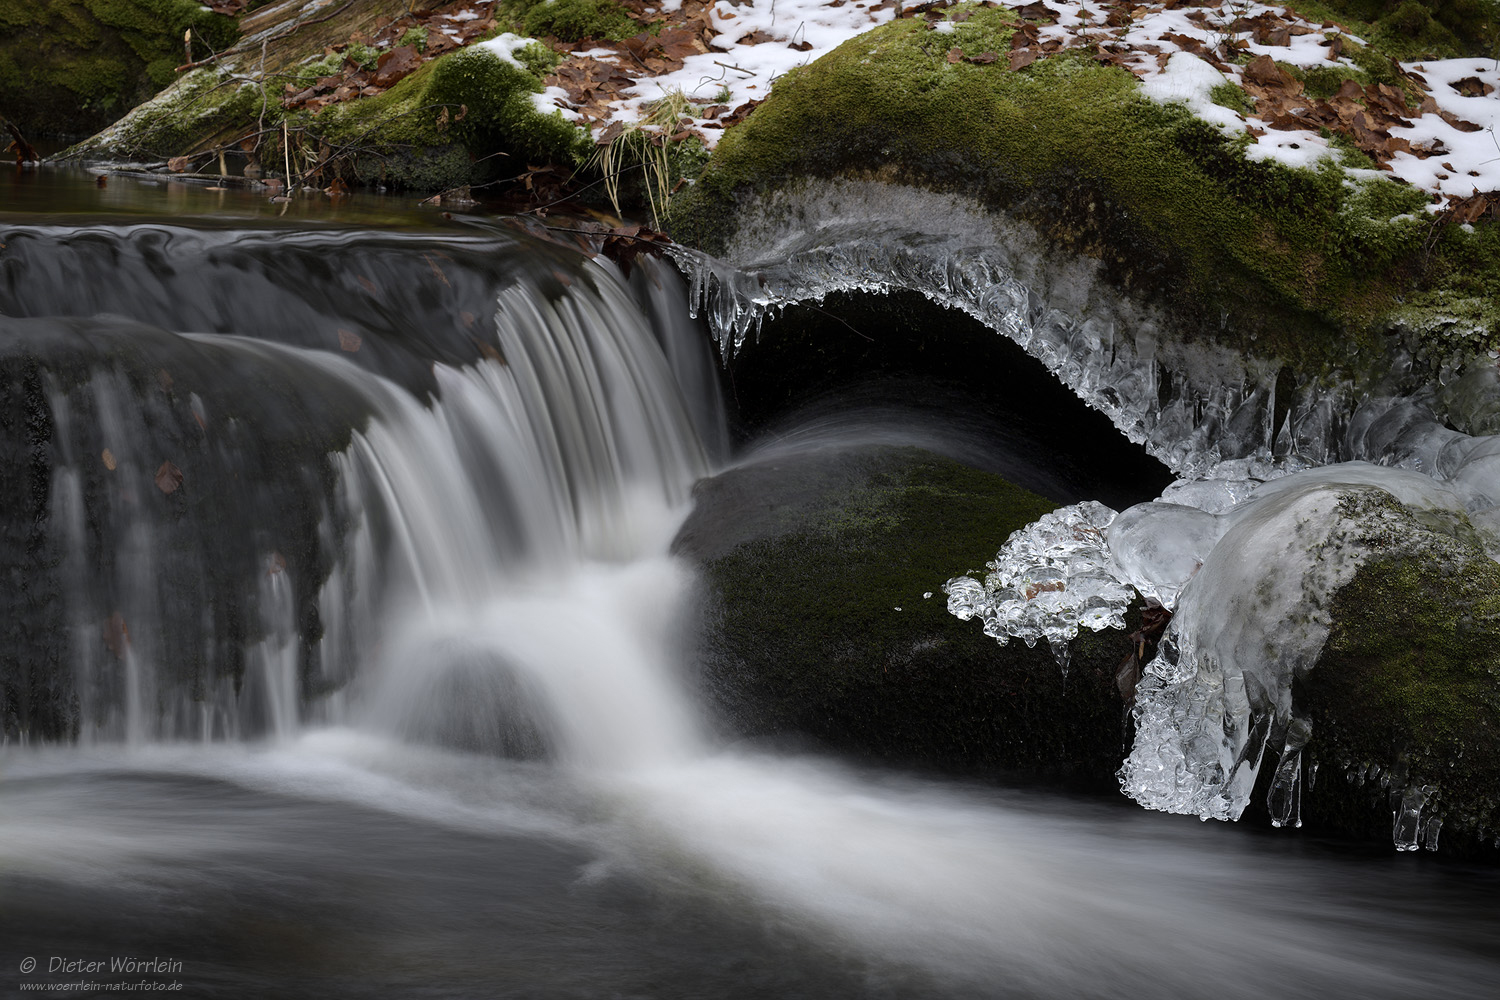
[202,110]
[1264,257]
[462,118]
[449,122]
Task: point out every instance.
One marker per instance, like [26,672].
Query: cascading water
[564,442]
[421,556]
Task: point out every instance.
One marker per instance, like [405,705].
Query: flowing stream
[344,658]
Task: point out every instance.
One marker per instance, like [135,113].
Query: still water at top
[340,583]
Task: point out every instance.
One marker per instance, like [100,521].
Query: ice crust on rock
[1204,411]
[1254,618]
[1157,547]
[1049,580]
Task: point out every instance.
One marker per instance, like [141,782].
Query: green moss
[468,104]
[574,20]
[1410,679]
[538,59]
[73,66]
[415,37]
[819,625]
[1167,202]
[328,65]
[362,55]
[1350,155]
[1376,65]
[1229,95]
[1459,310]
[1415,29]
[1324,81]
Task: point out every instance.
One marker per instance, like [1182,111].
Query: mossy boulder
[206,110]
[461,118]
[464,117]
[815,567]
[1406,696]
[70,67]
[1309,265]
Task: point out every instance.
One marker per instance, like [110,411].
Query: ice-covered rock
[1254,618]
[1157,547]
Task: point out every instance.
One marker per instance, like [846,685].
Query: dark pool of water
[61,194]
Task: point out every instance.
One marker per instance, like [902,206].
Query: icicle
[1406,818]
[1284,799]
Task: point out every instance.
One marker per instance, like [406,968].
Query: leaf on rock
[349,340]
[108,458]
[394,64]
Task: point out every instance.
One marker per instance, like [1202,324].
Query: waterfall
[240,534]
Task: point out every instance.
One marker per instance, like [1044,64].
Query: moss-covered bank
[70,67]
[463,117]
[815,568]
[459,119]
[1302,264]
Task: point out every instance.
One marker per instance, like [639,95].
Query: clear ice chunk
[1050,579]
[1157,547]
[1406,818]
[1250,621]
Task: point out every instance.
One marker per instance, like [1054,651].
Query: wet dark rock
[815,625]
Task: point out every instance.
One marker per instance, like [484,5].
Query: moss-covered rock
[1299,264]
[459,119]
[1406,695]
[70,67]
[815,568]
[205,110]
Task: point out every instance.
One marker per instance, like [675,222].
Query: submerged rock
[823,619]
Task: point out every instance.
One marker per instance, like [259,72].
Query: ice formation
[1249,571]
[1051,579]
